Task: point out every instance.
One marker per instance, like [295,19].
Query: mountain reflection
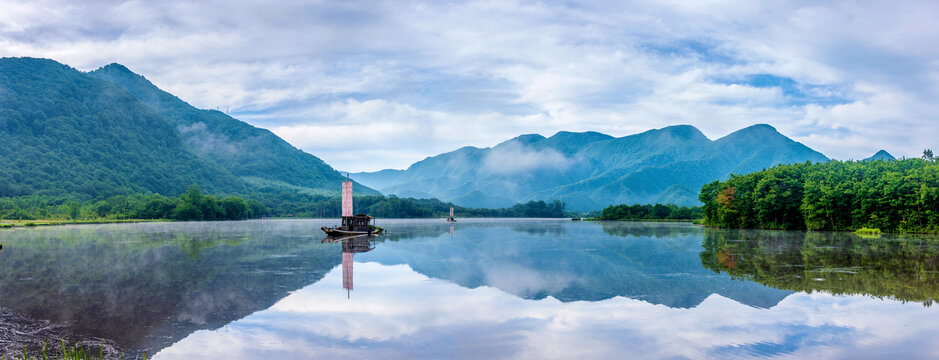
[903,268]
[571,261]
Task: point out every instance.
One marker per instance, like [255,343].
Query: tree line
[319,206]
[650,212]
[194,205]
[894,196]
[191,205]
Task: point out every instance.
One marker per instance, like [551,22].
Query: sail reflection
[350,246]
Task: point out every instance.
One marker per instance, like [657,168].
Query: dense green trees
[394,207]
[650,212]
[895,196]
[191,205]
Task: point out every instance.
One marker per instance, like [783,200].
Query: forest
[894,196]
[650,212]
[191,205]
[194,205]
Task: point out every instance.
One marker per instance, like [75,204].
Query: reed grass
[73,352]
[867,231]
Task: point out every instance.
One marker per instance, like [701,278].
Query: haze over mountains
[108,132]
[590,170]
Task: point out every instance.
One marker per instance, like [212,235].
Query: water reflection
[477,288]
[573,261]
[145,286]
[904,268]
[350,246]
[402,314]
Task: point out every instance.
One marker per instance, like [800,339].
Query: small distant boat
[451,218]
[352,225]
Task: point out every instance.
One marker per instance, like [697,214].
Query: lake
[478,288]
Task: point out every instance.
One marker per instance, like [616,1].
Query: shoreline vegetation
[66,352]
[648,212]
[50,222]
[894,196]
[193,205]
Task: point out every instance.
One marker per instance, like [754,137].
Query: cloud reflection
[396,312]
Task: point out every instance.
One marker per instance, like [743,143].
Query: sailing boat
[451,218]
[360,224]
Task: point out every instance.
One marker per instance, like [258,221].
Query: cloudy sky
[405,79]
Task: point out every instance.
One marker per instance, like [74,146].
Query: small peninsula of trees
[894,196]
[650,212]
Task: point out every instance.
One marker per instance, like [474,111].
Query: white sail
[347,199]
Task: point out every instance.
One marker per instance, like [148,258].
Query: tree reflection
[902,268]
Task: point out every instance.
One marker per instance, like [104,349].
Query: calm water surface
[528,289]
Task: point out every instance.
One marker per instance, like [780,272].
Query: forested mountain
[881,155]
[93,135]
[255,155]
[66,133]
[589,171]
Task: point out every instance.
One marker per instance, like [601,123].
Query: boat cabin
[358,222]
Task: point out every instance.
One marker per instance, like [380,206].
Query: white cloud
[513,157]
[480,72]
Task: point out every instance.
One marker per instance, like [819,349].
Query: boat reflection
[350,246]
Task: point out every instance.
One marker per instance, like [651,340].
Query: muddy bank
[18,332]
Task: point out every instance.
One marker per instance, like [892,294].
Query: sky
[369,85]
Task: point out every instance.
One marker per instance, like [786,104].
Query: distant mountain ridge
[591,170]
[255,155]
[110,132]
[881,155]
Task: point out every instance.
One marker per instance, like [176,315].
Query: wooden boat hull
[342,233]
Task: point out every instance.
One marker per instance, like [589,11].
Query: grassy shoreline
[7,224]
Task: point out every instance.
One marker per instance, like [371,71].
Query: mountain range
[90,135]
[590,170]
[111,131]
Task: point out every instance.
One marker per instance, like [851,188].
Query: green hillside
[66,133]
[256,155]
[589,171]
[74,136]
